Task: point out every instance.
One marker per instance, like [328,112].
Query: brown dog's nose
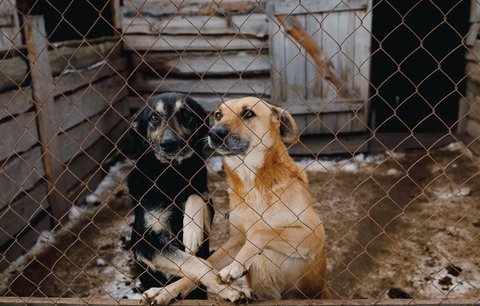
[218,134]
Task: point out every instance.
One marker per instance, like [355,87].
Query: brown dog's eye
[218,116]
[154,118]
[248,114]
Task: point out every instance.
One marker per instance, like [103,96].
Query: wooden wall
[209,51]
[63,106]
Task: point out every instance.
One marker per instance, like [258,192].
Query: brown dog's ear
[288,126]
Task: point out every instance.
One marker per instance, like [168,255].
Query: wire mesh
[385,98]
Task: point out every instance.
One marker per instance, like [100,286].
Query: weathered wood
[26,241]
[362,54]
[315,6]
[255,25]
[183,43]
[79,78]
[18,214]
[472,34]
[43,86]
[13,72]
[328,144]
[295,29]
[473,53]
[92,178]
[65,59]
[190,7]
[116,15]
[473,128]
[277,43]
[10,33]
[203,64]
[22,135]
[294,67]
[20,173]
[474,11]
[76,140]
[14,102]
[211,86]
[86,102]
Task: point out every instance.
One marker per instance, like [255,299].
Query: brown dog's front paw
[232,272]
[157,296]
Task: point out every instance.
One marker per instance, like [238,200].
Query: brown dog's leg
[300,242]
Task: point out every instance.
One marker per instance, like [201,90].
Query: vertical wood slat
[43,91]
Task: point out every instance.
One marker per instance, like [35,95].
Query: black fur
[154,184]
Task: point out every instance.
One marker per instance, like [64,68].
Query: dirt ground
[398,225]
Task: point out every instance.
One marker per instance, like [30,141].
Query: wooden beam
[314,6]
[255,25]
[252,86]
[19,174]
[15,101]
[43,87]
[13,72]
[183,43]
[203,64]
[22,135]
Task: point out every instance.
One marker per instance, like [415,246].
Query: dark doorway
[72,20]
[418,64]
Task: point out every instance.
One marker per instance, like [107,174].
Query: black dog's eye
[218,116]
[154,118]
[248,113]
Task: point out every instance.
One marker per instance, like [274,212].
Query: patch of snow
[457,146]
[100,262]
[395,155]
[449,192]
[394,172]
[115,181]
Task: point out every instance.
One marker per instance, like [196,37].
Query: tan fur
[276,237]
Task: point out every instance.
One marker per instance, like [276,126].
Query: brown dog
[276,237]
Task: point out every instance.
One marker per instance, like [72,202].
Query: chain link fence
[384,94]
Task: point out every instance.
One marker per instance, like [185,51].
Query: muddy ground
[397,225]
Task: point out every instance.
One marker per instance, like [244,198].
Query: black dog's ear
[288,126]
[133,143]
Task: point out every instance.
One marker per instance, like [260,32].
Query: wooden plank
[79,78]
[47,301]
[43,86]
[327,145]
[25,242]
[314,80]
[255,25]
[473,128]
[20,173]
[295,61]
[203,64]
[474,11]
[190,7]
[22,135]
[76,140]
[251,86]
[74,108]
[10,33]
[315,6]
[117,15]
[13,72]
[326,107]
[472,34]
[67,58]
[362,55]
[277,56]
[20,213]
[184,43]
[92,178]
[14,102]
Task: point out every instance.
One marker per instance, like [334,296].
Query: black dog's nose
[168,145]
[218,134]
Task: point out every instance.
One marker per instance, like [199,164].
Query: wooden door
[321,63]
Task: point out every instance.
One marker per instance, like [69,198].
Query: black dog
[168,186]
